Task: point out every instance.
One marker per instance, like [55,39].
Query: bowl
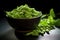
[23,24]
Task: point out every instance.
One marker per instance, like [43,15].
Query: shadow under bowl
[22,36]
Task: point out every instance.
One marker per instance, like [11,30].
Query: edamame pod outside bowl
[23,24]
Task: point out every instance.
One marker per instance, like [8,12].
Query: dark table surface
[7,32]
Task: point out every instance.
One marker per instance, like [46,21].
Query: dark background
[7,33]
[41,5]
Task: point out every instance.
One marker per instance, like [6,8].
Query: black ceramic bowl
[23,24]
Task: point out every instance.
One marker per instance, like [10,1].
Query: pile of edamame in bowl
[24,11]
